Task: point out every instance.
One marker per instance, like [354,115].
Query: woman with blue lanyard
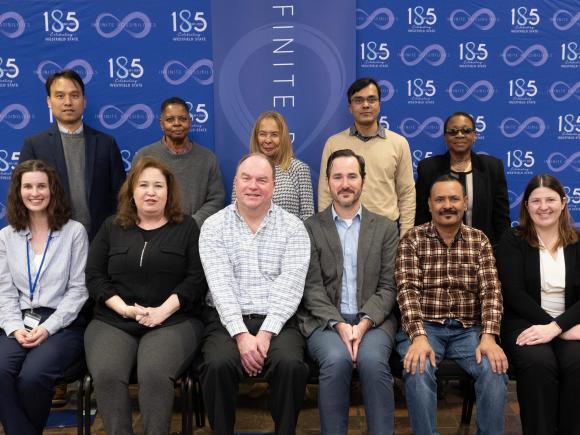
[42,290]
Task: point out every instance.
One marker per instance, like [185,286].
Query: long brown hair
[127,211]
[567,233]
[58,211]
[285,153]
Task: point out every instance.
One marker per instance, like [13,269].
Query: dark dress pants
[28,376]
[548,384]
[222,371]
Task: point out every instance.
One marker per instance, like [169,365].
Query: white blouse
[552,281]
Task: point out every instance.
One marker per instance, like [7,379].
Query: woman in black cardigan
[539,268]
[145,276]
[483,177]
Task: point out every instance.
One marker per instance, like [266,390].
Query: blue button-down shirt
[348,232]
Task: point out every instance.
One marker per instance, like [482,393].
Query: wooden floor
[253,415]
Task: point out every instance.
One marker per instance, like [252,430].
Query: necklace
[461,165]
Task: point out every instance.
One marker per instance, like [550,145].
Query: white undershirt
[552,281]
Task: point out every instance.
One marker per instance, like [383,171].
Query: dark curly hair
[58,210]
[127,211]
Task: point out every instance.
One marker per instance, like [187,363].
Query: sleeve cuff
[272,325]
[50,325]
[415,329]
[236,327]
[13,326]
[366,316]
[490,328]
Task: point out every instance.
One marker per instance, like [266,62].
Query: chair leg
[199,407]
[88,389]
[468,389]
[80,408]
[184,405]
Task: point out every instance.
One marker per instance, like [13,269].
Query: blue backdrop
[512,64]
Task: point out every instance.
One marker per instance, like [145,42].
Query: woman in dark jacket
[482,176]
[145,276]
[539,268]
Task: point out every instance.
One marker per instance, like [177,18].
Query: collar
[26,233]
[431,231]
[381,132]
[67,131]
[240,217]
[336,217]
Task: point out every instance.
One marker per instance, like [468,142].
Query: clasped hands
[253,350]
[352,335]
[32,338]
[146,316]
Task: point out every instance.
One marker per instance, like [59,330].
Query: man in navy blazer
[349,299]
[88,161]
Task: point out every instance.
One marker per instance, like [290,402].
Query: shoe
[60,397]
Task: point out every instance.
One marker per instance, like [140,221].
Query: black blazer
[103,164]
[491,211]
[518,266]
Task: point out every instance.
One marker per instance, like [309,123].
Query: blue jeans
[329,351]
[452,341]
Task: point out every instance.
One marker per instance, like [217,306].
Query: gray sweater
[198,176]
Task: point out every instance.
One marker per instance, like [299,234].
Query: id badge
[31,320]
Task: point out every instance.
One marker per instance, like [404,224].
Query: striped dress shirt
[261,273]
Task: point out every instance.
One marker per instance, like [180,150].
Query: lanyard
[32,286]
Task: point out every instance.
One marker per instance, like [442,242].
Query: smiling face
[35,191]
[67,102]
[269,138]
[254,184]
[447,204]
[365,113]
[150,193]
[460,143]
[545,207]
[175,122]
[345,183]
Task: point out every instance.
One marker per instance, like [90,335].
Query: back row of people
[257,301]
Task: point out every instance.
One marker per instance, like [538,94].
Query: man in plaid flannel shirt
[451,307]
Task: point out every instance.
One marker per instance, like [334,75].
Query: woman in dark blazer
[483,177]
[539,268]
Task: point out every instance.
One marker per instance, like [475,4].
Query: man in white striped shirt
[255,256]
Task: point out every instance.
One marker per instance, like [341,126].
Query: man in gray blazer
[347,308]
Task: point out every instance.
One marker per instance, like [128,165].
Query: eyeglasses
[360,100]
[456,131]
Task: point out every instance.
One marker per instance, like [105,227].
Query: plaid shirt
[261,273]
[436,282]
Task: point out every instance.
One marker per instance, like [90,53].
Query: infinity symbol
[429,54]
[509,124]
[19,108]
[122,25]
[87,68]
[455,19]
[465,91]
[125,116]
[376,17]
[427,126]
[516,52]
[188,72]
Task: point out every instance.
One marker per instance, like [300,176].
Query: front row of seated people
[273,292]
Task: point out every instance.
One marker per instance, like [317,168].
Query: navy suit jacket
[491,211]
[103,165]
